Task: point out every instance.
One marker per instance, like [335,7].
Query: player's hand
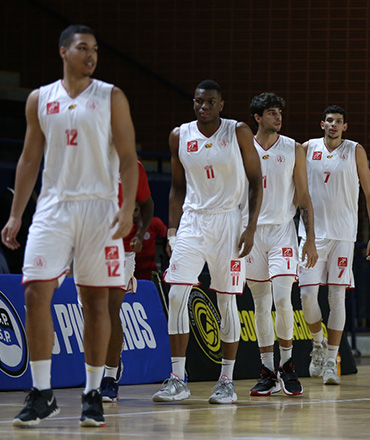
[309,253]
[124,222]
[136,244]
[9,233]
[246,243]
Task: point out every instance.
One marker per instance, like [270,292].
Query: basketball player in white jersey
[211,161]
[335,167]
[83,129]
[271,267]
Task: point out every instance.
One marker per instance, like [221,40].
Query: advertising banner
[146,354]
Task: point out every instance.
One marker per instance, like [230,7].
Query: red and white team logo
[342,264]
[343,156]
[235,269]
[192,146]
[280,159]
[92,105]
[249,259]
[112,261]
[224,143]
[111,253]
[39,262]
[52,108]
[287,254]
[174,267]
[317,155]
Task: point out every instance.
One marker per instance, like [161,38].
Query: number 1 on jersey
[209,171]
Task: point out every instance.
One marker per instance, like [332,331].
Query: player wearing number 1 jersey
[335,167]
[271,267]
[84,130]
[211,161]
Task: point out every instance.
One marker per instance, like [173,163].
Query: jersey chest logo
[317,155]
[192,146]
[52,108]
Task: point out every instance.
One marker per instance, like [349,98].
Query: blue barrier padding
[146,355]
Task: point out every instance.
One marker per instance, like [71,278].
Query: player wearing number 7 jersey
[83,129]
[211,159]
[271,267]
[335,166]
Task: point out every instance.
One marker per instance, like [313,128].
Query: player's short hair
[66,37]
[334,109]
[264,101]
[209,84]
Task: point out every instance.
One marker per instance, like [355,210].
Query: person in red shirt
[133,243]
[145,259]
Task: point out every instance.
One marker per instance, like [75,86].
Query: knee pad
[230,322]
[337,308]
[178,315]
[310,305]
[262,298]
[284,321]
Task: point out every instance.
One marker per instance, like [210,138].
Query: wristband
[171,241]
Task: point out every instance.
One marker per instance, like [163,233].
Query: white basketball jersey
[80,161]
[277,166]
[334,188]
[214,169]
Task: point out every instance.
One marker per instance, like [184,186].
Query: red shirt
[145,260]
[143,192]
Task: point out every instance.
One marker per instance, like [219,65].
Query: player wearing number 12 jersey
[83,129]
[211,161]
[271,267]
[335,167]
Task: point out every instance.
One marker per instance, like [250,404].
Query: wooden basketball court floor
[322,412]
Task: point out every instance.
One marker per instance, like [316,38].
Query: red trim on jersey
[266,149]
[101,287]
[44,281]
[227,293]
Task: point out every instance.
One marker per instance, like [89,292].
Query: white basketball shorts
[78,230]
[212,239]
[274,253]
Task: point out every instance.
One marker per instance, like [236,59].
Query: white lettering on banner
[135,336]
[68,325]
[148,332]
[138,332]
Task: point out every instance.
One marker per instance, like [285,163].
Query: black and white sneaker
[92,410]
[267,384]
[39,405]
[289,380]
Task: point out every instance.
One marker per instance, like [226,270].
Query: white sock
[267,360]
[94,376]
[318,337]
[332,353]
[41,374]
[285,354]
[178,366]
[227,368]
[110,371]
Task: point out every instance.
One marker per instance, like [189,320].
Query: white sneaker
[318,356]
[174,389]
[223,392]
[330,373]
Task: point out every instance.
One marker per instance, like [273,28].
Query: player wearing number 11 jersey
[335,167]
[211,159]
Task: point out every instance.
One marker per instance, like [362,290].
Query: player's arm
[146,208]
[364,177]
[27,171]
[295,201]
[253,172]
[124,142]
[178,186]
[304,203]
